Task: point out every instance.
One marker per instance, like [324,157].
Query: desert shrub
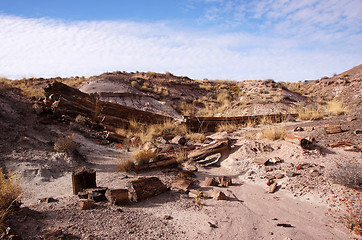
[349,175]
[272,133]
[124,165]
[10,192]
[65,144]
[194,136]
[181,156]
[335,108]
[310,113]
[143,156]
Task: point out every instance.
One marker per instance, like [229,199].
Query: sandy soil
[250,213]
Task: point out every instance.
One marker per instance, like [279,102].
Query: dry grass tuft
[310,113]
[335,108]
[349,175]
[272,133]
[228,127]
[143,156]
[124,165]
[65,144]
[10,192]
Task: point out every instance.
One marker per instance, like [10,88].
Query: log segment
[144,188]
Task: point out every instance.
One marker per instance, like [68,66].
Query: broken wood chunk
[181,183]
[117,196]
[333,129]
[144,188]
[218,146]
[218,195]
[86,204]
[305,143]
[82,178]
[186,174]
[224,181]
[260,160]
[210,181]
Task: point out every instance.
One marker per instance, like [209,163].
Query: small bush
[124,165]
[143,156]
[10,192]
[229,126]
[65,144]
[349,175]
[335,108]
[310,113]
[272,133]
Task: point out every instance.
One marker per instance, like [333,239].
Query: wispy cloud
[45,48]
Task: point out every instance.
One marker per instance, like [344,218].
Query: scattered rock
[218,195]
[291,174]
[167,217]
[298,129]
[210,182]
[270,182]
[48,200]
[213,225]
[274,160]
[260,160]
[299,167]
[186,174]
[358,131]
[189,166]
[224,181]
[208,140]
[279,176]
[314,173]
[181,183]
[272,187]
[179,140]
[286,225]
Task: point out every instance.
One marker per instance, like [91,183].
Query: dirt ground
[299,209]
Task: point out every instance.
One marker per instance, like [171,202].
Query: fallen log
[333,129]
[305,143]
[83,178]
[65,100]
[211,123]
[144,188]
[218,146]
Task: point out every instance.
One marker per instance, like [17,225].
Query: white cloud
[48,48]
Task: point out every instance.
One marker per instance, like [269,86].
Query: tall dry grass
[272,133]
[10,192]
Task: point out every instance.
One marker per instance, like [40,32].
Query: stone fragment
[358,131]
[291,174]
[260,160]
[279,176]
[181,183]
[210,181]
[218,195]
[314,173]
[179,140]
[47,200]
[272,187]
[224,181]
[270,182]
[117,196]
[186,174]
[298,129]
[86,204]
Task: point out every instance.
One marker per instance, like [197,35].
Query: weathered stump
[333,129]
[117,196]
[82,178]
[144,188]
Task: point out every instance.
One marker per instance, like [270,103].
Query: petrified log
[224,181]
[144,188]
[305,143]
[70,101]
[218,146]
[210,123]
[86,204]
[117,196]
[82,178]
[272,187]
[333,129]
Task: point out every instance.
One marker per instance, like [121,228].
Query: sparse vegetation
[65,144]
[124,165]
[10,192]
[335,108]
[143,156]
[310,113]
[349,175]
[272,133]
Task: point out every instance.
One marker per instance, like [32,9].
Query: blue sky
[286,40]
